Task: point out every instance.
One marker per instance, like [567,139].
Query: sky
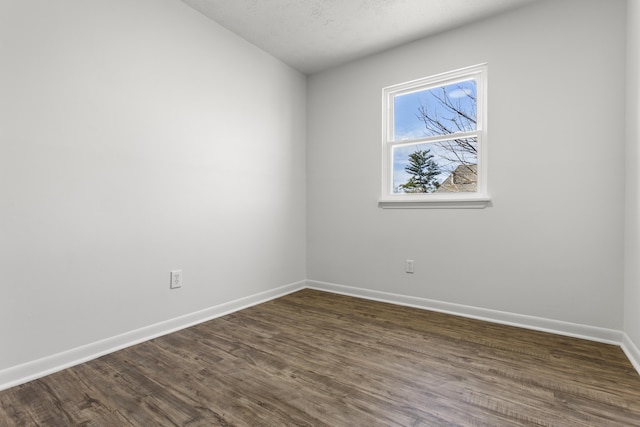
[408,126]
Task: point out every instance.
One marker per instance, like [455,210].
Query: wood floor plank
[318,359]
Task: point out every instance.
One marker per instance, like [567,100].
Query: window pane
[438,111]
[439,167]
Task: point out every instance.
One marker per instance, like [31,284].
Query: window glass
[436,111]
[424,168]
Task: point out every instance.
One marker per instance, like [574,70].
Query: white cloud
[460,93]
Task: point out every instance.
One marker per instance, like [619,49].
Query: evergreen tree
[424,172]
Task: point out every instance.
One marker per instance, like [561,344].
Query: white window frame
[477,199]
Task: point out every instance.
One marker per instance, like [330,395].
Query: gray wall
[138,137]
[552,244]
[632,231]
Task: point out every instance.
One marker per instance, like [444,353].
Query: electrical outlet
[176,279]
[408,266]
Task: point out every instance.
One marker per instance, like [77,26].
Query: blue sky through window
[408,125]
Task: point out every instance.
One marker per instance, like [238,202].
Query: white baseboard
[29,371]
[592,333]
[632,352]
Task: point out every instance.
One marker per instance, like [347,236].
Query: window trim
[480,198]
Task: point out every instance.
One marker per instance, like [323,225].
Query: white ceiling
[313,35]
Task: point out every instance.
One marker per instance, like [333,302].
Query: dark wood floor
[318,359]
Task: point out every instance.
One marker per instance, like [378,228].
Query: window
[434,141]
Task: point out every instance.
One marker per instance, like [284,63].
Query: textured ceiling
[313,35]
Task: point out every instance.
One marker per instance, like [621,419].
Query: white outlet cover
[408,266]
[176,279]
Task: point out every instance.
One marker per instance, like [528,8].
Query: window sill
[435,202]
